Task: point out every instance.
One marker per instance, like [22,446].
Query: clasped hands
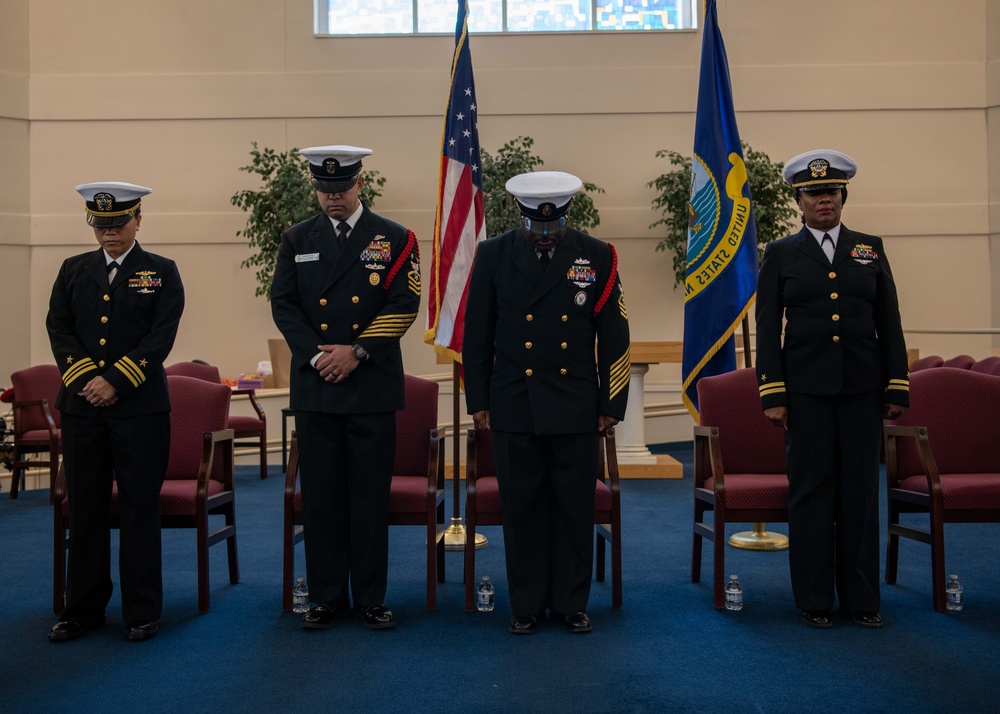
[100,393]
[336,362]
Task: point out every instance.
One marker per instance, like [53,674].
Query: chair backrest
[961,410]
[750,443]
[960,362]
[413,426]
[196,407]
[205,372]
[39,382]
[926,363]
[989,365]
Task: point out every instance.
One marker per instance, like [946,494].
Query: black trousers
[97,451]
[345,463]
[547,486]
[833,446]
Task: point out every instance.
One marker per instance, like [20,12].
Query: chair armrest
[225,438]
[59,487]
[254,402]
[708,457]
[46,412]
[435,464]
[611,457]
[892,433]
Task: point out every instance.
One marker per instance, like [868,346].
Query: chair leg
[234,560]
[599,559]
[699,515]
[616,563]
[263,456]
[202,546]
[719,564]
[891,545]
[432,565]
[937,560]
[470,566]
[16,478]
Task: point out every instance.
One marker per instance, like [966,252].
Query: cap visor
[108,221]
[334,186]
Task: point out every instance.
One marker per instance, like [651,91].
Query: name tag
[306,257]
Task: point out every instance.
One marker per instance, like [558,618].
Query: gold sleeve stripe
[777,388]
[620,374]
[389,325]
[131,370]
[903,382]
[900,387]
[771,385]
[74,372]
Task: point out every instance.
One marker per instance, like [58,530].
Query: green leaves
[513,158]
[773,203]
[284,198]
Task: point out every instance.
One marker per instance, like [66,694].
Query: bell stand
[454,535]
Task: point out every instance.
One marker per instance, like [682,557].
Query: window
[407,17]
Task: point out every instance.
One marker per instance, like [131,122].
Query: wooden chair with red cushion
[959,362]
[37,423]
[942,460]
[482,508]
[988,365]
[244,427]
[739,467]
[198,483]
[417,493]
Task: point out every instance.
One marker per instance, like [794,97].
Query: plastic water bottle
[484,595]
[954,596]
[734,594]
[300,596]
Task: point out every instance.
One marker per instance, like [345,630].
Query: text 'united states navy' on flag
[721,280]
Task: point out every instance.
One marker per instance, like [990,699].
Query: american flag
[460,222]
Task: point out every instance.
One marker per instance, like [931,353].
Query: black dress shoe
[577,623]
[71,628]
[323,616]
[141,630]
[523,625]
[870,620]
[820,619]
[376,617]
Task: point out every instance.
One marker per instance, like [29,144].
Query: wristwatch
[360,354]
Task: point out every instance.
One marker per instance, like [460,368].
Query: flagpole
[759,538]
[454,535]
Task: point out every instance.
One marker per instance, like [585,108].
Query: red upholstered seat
[482,508]
[416,497]
[942,459]
[37,423]
[739,467]
[244,427]
[198,483]
[960,362]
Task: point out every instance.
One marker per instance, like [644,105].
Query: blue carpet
[667,650]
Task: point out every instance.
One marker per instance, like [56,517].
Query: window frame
[321,24]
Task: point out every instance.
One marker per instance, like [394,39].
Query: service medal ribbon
[377,250]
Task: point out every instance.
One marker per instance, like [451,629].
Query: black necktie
[342,230]
[112,268]
[829,251]
[544,258]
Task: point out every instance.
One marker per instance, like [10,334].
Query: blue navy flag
[721,281]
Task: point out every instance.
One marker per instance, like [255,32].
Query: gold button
[355,327]
[528,372]
[527,345]
[836,317]
[836,338]
[101,363]
[323,327]
[355,299]
[834,296]
[565,318]
[832,275]
[529,317]
[104,319]
[106,298]
[322,301]
[564,345]
[103,341]
[562,371]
